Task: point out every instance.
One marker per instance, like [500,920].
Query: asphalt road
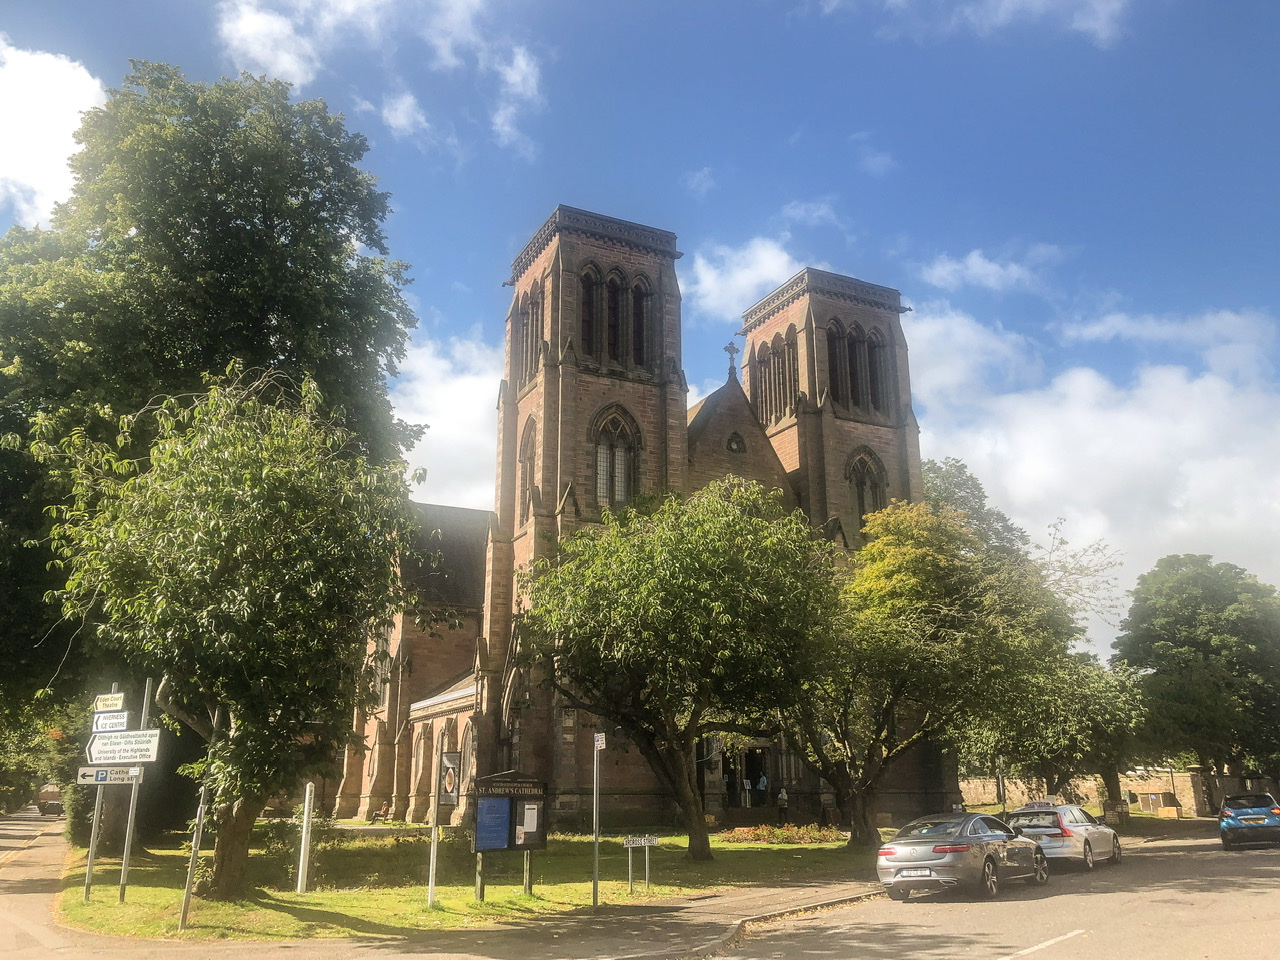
[1173,898]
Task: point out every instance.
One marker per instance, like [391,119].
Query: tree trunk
[855,808]
[1111,784]
[691,806]
[231,849]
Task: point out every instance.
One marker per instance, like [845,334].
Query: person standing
[763,788]
[782,806]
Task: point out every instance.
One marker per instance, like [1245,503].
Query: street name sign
[127,746]
[111,722]
[640,841]
[108,701]
[96,775]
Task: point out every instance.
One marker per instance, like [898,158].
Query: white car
[1065,831]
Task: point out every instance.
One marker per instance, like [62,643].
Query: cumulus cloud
[813,213]
[699,182]
[976,269]
[42,96]
[520,77]
[727,280]
[402,115]
[1099,20]
[1172,461]
[452,386]
[291,39]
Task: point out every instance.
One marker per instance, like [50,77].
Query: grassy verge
[376,886]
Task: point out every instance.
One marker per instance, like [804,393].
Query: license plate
[1253,819]
[914,872]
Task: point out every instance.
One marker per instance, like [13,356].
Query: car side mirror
[1017,831]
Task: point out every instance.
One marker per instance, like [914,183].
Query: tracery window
[866,474]
[530,335]
[617,446]
[525,470]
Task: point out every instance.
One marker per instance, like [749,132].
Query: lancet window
[617,441]
[525,466]
[870,486]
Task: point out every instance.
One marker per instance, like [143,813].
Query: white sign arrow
[127,746]
[108,722]
[108,701]
[94,775]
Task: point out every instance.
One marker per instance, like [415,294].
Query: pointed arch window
[877,373]
[869,481]
[525,465]
[530,335]
[613,319]
[639,324]
[617,441]
[837,365]
[589,310]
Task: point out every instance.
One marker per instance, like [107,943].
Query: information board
[493,824]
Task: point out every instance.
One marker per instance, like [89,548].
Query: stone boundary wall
[1195,792]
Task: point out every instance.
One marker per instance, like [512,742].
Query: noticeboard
[493,824]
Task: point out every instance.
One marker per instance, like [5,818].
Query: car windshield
[1248,801]
[931,828]
[1034,818]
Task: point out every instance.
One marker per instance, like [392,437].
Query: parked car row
[980,852]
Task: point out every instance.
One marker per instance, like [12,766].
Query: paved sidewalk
[32,854]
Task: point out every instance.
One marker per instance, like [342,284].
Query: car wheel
[1115,851]
[1087,860]
[989,884]
[898,893]
[1226,844]
[1040,868]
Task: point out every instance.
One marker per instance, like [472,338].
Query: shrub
[791,833]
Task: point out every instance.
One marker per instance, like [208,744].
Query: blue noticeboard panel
[493,823]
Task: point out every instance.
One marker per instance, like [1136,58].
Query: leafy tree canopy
[702,617]
[938,632]
[247,566]
[1206,637]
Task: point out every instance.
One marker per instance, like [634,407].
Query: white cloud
[1171,462]
[727,280]
[871,159]
[42,96]
[452,27]
[699,182]
[402,115]
[453,388]
[976,269]
[260,40]
[814,213]
[1099,20]
[520,77]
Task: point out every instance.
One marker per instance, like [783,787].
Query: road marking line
[1041,946]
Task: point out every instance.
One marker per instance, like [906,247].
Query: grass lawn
[377,886]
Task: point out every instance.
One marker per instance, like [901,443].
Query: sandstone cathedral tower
[592,412]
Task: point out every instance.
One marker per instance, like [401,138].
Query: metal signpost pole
[595,821]
[93,829]
[435,819]
[199,829]
[304,858]
[133,800]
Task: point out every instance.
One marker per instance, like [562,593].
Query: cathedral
[592,411]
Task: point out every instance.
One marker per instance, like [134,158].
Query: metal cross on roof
[733,351]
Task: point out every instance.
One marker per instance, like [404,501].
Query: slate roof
[458,536]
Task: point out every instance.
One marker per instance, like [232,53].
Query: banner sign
[450,777]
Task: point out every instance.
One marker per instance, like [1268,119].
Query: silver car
[1066,831]
[958,849]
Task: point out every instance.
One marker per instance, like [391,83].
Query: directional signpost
[126,746]
[90,776]
[109,722]
[108,701]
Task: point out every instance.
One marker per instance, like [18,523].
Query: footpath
[32,855]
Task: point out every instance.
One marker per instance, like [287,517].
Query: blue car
[1249,818]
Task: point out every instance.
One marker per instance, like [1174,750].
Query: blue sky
[1080,199]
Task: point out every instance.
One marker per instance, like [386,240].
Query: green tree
[937,633]
[208,222]
[702,617]
[1074,717]
[1206,638]
[247,566]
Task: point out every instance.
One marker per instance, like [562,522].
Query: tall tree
[937,632]
[208,222]
[1206,638]
[702,617]
[247,565]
